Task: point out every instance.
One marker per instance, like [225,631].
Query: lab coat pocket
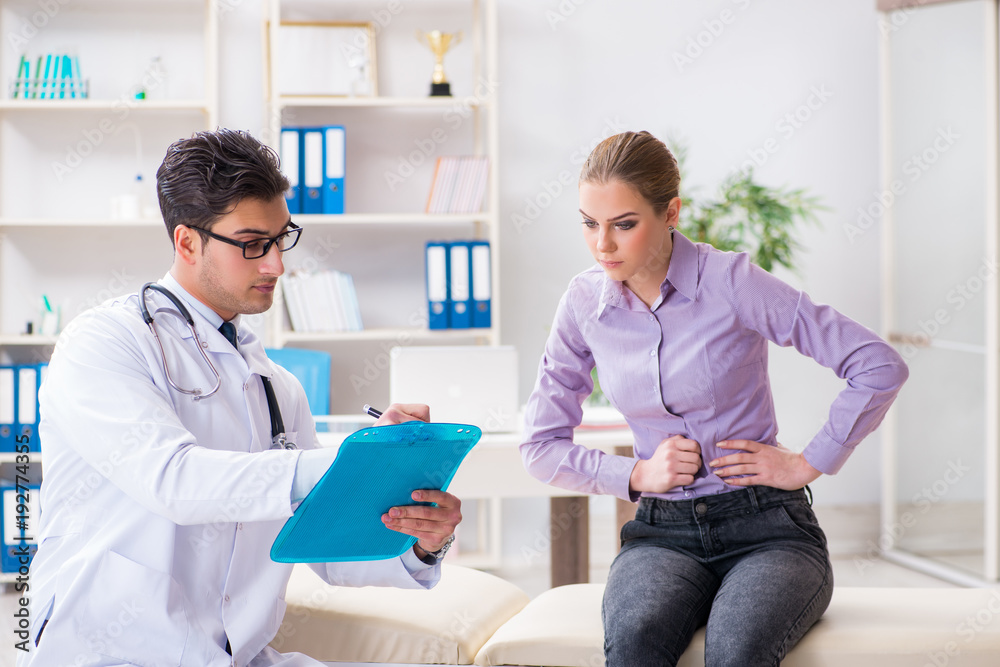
[138,615]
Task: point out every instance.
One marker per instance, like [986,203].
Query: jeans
[752,564]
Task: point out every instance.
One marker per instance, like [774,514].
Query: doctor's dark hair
[639,160]
[204,177]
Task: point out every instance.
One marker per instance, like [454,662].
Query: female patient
[723,534]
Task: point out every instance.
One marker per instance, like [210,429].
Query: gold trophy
[439,43]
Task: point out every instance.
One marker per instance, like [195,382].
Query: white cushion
[447,624]
[562,626]
[864,627]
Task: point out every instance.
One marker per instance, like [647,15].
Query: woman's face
[630,242]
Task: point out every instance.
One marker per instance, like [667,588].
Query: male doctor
[158,508]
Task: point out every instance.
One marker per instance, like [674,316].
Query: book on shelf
[321,302]
[459,184]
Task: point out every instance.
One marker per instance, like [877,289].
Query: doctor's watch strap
[434,557]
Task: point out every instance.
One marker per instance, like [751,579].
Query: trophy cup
[439,43]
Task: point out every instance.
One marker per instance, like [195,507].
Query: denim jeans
[752,564]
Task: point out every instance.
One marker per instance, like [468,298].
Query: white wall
[570,80]
[573,72]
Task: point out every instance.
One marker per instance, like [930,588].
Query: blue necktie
[229,331]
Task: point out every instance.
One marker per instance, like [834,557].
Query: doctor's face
[230,283]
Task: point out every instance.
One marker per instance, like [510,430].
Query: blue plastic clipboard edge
[278,545]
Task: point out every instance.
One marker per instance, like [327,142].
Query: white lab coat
[158,511]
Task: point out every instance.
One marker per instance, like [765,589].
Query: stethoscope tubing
[278,439]
[185,314]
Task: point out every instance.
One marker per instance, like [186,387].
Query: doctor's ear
[187,244]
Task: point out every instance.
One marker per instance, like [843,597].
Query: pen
[369,410]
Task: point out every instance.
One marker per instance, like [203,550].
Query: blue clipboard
[376,468]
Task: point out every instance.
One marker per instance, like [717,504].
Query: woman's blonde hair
[639,160]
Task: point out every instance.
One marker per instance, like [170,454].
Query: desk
[493,470]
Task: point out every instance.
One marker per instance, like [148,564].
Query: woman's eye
[589,223]
[625,225]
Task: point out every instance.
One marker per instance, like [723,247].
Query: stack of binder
[57,76]
[313,161]
[17,528]
[459,288]
[19,405]
[459,184]
[321,301]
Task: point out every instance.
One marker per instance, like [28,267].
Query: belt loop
[753,500]
[809,494]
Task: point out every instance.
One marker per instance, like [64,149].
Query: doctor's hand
[432,526]
[399,413]
[674,463]
[764,465]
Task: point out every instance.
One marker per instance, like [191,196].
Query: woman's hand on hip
[763,465]
[674,463]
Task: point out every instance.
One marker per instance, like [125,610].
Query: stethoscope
[278,438]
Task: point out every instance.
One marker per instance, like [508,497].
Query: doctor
[159,505]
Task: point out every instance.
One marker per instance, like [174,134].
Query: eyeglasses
[259,247]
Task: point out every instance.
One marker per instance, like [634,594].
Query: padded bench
[863,627]
[472,616]
[447,624]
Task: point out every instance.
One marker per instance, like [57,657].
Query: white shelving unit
[105,134]
[397,226]
[57,236]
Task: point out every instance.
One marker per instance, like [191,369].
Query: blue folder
[437,277]
[311,170]
[290,166]
[8,408]
[312,369]
[376,468]
[335,156]
[460,284]
[14,541]
[482,291]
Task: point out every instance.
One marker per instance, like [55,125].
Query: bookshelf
[380,238]
[57,233]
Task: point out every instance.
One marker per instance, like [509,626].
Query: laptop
[467,384]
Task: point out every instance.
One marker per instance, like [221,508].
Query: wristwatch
[434,557]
